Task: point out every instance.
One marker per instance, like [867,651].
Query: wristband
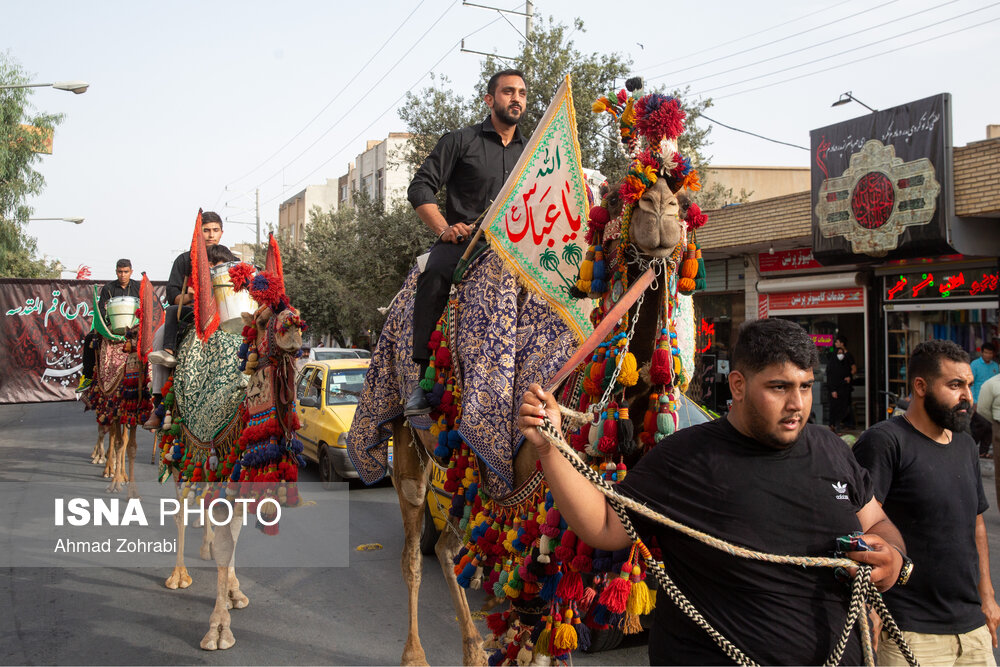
[443,231]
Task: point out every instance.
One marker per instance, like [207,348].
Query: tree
[352,262]
[20,143]
[545,61]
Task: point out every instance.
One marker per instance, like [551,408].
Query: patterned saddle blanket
[208,385]
[507,339]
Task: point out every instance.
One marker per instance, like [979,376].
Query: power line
[379,117]
[812,46]
[852,62]
[368,62]
[782,39]
[753,134]
[356,103]
[339,93]
[850,50]
[742,38]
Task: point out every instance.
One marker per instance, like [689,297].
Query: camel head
[287,327]
[657,224]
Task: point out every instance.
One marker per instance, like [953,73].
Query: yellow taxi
[326,397]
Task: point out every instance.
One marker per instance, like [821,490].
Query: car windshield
[689,413]
[343,387]
[326,355]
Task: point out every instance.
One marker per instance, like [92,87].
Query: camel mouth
[659,252]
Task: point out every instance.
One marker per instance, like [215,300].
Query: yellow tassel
[542,645]
[565,637]
[599,106]
[629,374]
[638,599]
[511,592]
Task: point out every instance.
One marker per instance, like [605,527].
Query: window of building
[380,184]
[343,193]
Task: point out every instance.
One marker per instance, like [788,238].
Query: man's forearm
[887,530]
[986,591]
[431,216]
[582,505]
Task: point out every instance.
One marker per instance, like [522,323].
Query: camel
[638,227]
[120,400]
[218,419]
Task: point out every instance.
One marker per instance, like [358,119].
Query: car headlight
[342,440]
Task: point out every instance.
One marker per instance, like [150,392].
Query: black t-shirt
[796,501]
[933,493]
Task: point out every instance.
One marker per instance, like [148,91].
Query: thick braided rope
[732,549]
[862,587]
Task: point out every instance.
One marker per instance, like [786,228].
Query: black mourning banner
[880,183]
[42,325]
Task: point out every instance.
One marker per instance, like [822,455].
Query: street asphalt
[352,615]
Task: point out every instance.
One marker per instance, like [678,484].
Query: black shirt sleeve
[102,302]
[878,452]
[180,270]
[434,173]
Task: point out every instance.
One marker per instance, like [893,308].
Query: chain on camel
[862,590]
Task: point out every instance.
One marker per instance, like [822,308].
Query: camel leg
[219,635]
[97,457]
[179,578]
[109,460]
[411,488]
[472,642]
[237,600]
[116,458]
[207,538]
[133,445]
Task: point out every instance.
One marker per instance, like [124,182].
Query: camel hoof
[218,638]
[237,600]
[179,578]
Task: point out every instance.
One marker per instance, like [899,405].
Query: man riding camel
[122,286]
[472,164]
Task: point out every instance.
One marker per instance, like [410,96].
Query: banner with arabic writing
[538,220]
[42,325]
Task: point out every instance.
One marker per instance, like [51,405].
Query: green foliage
[352,262]
[715,195]
[545,61]
[18,178]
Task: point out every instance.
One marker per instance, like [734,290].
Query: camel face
[289,330]
[656,226]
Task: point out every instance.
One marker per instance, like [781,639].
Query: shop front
[921,300]
[826,305]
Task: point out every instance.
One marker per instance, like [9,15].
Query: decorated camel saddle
[526,311]
[118,393]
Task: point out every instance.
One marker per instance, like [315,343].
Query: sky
[199,104]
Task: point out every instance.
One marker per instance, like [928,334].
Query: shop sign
[850,297]
[787,260]
[941,283]
[822,340]
[880,183]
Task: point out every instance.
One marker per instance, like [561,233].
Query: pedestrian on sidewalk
[924,467]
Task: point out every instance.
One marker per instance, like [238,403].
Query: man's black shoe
[417,404]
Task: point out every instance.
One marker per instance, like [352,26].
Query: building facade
[293,214]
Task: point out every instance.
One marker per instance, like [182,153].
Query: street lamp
[75,87]
[845,98]
[75,221]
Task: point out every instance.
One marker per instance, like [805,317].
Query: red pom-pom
[622,96]
[615,595]
[570,586]
[695,218]
[659,369]
[241,275]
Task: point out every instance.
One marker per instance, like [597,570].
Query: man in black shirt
[840,371]
[123,286]
[761,478]
[472,163]
[925,471]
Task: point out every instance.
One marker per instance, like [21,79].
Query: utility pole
[529,11]
[258,217]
